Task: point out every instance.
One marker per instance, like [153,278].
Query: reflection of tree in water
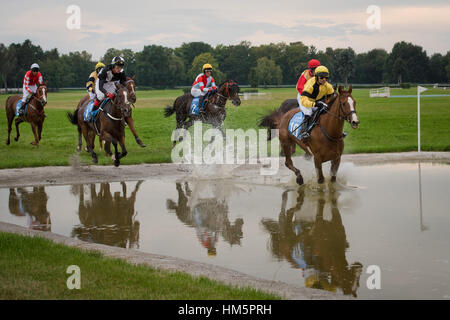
[208,216]
[317,247]
[106,218]
[33,205]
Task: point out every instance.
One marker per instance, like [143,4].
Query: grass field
[387,125]
[35,268]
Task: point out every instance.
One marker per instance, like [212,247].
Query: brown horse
[110,125]
[326,142]
[215,112]
[34,114]
[131,94]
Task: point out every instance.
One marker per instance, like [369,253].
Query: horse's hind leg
[10,121]
[39,128]
[122,146]
[288,162]
[334,168]
[17,122]
[80,140]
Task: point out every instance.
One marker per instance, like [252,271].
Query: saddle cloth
[295,124]
[18,105]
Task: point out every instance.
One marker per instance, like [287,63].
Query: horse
[111,122]
[215,111]
[131,94]
[326,140]
[34,114]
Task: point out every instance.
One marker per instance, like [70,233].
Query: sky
[135,23]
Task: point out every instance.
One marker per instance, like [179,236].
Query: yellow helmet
[99,65]
[207,66]
[322,71]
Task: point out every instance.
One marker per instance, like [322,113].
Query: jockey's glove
[111,96]
[320,104]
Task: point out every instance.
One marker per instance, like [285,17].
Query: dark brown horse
[215,112]
[34,114]
[109,124]
[326,142]
[131,93]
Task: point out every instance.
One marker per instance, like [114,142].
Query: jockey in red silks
[32,78]
[305,76]
[204,84]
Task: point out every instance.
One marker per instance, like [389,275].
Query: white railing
[380,92]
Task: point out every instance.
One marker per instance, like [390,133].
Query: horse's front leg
[39,127]
[334,168]
[36,137]
[108,138]
[288,163]
[122,146]
[130,123]
[318,164]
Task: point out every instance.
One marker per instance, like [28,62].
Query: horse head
[122,101]
[230,90]
[41,94]
[131,88]
[347,105]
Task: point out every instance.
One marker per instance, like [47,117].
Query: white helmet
[34,65]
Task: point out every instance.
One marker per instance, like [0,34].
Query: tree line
[269,64]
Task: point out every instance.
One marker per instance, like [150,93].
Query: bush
[405,85]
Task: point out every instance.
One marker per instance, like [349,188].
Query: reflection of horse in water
[209,217]
[33,205]
[108,219]
[317,247]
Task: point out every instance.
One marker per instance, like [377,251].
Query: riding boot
[304,134]
[22,108]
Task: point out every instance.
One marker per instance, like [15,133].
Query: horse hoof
[320,181]
[7,143]
[333,179]
[16,139]
[94,160]
[116,163]
[299,180]
[308,156]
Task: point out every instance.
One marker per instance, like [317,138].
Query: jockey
[305,76]
[30,81]
[90,85]
[203,84]
[315,89]
[105,86]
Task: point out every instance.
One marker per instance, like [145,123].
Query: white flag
[421,89]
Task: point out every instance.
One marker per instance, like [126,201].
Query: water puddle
[319,236]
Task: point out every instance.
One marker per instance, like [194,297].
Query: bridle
[224,96]
[121,108]
[38,97]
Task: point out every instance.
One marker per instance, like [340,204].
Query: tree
[8,62]
[345,64]
[437,71]
[188,51]
[127,54]
[369,66]
[198,63]
[235,61]
[265,73]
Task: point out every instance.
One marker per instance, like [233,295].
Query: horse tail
[73,118]
[271,121]
[168,111]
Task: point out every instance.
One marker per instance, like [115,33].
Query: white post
[419,90]
[418,118]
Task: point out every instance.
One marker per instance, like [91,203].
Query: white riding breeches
[26,94]
[91,95]
[108,86]
[306,111]
[197,92]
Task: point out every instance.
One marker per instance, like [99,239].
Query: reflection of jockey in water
[33,205]
[108,219]
[209,217]
[318,247]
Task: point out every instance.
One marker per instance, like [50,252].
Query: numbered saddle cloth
[195,106]
[19,105]
[87,115]
[295,124]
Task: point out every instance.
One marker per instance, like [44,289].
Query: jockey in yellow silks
[90,84]
[310,100]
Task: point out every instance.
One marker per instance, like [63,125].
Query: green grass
[387,125]
[35,268]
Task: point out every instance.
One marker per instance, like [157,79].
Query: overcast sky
[133,24]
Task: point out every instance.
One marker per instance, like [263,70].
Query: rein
[337,116]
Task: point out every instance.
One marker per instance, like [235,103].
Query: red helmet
[313,63]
